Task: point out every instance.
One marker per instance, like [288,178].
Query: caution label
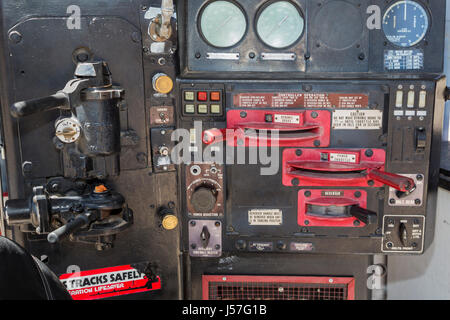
[357,119]
[110,282]
[265,217]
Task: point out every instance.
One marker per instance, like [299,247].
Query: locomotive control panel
[213,143]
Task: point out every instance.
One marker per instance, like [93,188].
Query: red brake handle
[398,182]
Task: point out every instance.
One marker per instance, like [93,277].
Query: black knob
[204,199]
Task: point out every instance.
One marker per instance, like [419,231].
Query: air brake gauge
[222,24]
[280,24]
[405,23]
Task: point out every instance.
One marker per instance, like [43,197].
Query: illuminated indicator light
[189,108]
[215,96]
[215,108]
[170,222]
[202,108]
[189,96]
[162,83]
[202,96]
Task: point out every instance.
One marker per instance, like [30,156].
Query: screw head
[317,143]
[193,223]
[307,194]
[418,202]
[298,152]
[243,114]
[358,194]
[392,201]
[314,114]
[419,177]
[295,182]
[369,153]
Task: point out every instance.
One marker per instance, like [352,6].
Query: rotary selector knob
[204,199]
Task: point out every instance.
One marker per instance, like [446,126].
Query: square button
[215,96]
[189,95]
[202,96]
[189,108]
[215,108]
[202,108]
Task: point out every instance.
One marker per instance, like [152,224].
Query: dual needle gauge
[279,25]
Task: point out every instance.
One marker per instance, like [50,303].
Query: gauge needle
[225,22]
[405,10]
[278,25]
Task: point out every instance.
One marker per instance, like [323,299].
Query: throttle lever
[364,215]
[404,185]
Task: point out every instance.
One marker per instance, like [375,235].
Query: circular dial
[204,199]
[223,24]
[405,23]
[280,24]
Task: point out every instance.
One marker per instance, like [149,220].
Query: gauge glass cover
[280,24]
[405,23]
[223,24]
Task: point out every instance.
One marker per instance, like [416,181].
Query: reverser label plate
[284,118]
[265,217]
[342,157]
[357,119]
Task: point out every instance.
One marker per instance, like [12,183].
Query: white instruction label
[284,118]
[357,119]
[265,217]
[342,157]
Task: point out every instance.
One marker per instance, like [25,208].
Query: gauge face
[223,24]
[280,24]
[405,23]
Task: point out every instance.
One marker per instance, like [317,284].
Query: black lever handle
[29,107]
[364,215]
[79,222]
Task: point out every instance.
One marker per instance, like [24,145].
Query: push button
[189,108]
[189,95]
[202,109]
[215,108]
[202,96]
[215,96]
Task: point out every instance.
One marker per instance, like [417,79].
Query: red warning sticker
[110,282]
[301,100]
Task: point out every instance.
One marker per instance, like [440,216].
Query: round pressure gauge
[280,24]
[222,23]
[405,23]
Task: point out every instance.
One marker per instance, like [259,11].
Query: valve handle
[29,107]
[79,222]
[364,215]
[398,182]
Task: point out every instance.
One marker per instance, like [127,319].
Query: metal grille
[299,288]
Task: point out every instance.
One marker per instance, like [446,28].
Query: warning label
[265,217]
[300,100]
[109,282]
[357,119]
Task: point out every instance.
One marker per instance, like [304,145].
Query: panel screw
[418,202]
[308,194]
[217,246]
[243,114]
[358,194]
[317,143]
[314,114]
[15,37]
[295,182]
[306,222]
[307,56]
[217,224]
[392,201]
[361,56]
[193,246]
[298,152]
[369,153]
[370,183]
[193,223]
[198,55]
[419,177]
[252,55]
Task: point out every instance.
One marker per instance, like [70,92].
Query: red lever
[398,182]
[214,135]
